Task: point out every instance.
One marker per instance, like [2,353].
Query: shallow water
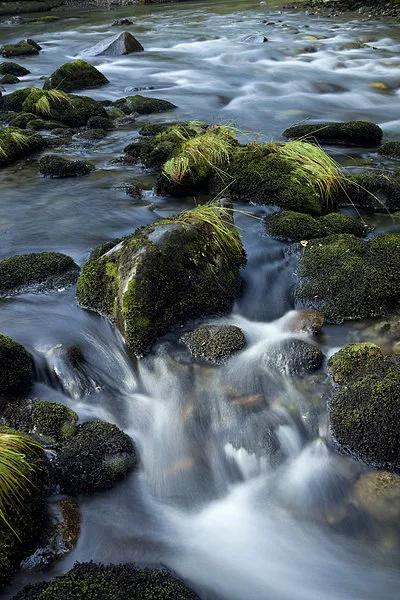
[239,516]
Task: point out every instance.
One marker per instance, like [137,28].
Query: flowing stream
[240,489]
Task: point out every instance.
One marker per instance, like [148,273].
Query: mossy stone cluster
[293,226]
[75,75]
[349,278]
[16,143]
[115,582]
[364,409]
[97,455]
[53,165]
[159,277]
[16,367]
[51,269]
[28,518]
[215,343]
[22,48]
[142,105]
[350,133]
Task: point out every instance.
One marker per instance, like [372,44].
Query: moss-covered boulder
[349,278]
[53,420]
[53,165]
[12,68]
[26,518]
[16,143]
[285,176]
[292,226]
[75,75]
[16,367]
[114,582]
[98,455]
[143,105]
[165,274]
[9,80]
[15,100]
[50,270]
[371,192]
[350,133]
[293,357]
[390,149]
[22,48]
[215,343]
[364,409]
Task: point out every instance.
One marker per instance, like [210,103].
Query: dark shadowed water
[238,518]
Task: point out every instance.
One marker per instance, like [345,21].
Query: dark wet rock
[34,44]
[98,455]
[134,190]
[364,407]
[310,321]
[348,278]
[53,420]
[114,582]
[390,149]
[16,367]
[215,343]
[292,226]
[118,45]
[100,123]
[293,357]
[22,48]
[121,22]
[143,106]
[27,518]
[48,269]
[163,275]
[12,68]
[372,191]
[16,143]
[351,133]
[9,80]
[75,75]
[53,165]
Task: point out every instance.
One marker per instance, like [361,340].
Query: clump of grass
[19,137]
[15,468]
[313,167]
[48,99]
[206,152]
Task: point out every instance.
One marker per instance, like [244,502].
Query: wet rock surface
[215,343]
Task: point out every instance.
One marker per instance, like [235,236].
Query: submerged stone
[215,343]
[16,367]
[163,275]
[12,68]
[118,45]
[53,165]
[378,494]
[348,278]
[114,582]
[365,404]
[52,269]
[350,133]
[75,75]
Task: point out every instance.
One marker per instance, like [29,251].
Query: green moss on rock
[12,68]
[15,100]
[292,226]
[350,133]
[115,582]
[22,48]
[16,143]
[372,191]
[143,105]
[349,278]
[53,165]
[365,406]
[50,268]
[9,80]
[16,367]
[162,276]
[390,149]
[215,343]
[98,455]
[53,420]
[75,75]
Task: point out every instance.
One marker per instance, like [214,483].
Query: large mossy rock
[26,517]
[16,367]
[50,270]
[118,45]
[350,133]
[292,226]
[365,407]
[163,275]
[90,581]
[22,48]
[92,459]
[75,75]
[16,143]
[348,278]
[12,68]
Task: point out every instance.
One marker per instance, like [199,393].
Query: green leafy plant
[208,151]
[15,469]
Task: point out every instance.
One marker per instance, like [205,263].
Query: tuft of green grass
[313,167]
[48,99]
[206,152]
[15,468]
[20,138]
